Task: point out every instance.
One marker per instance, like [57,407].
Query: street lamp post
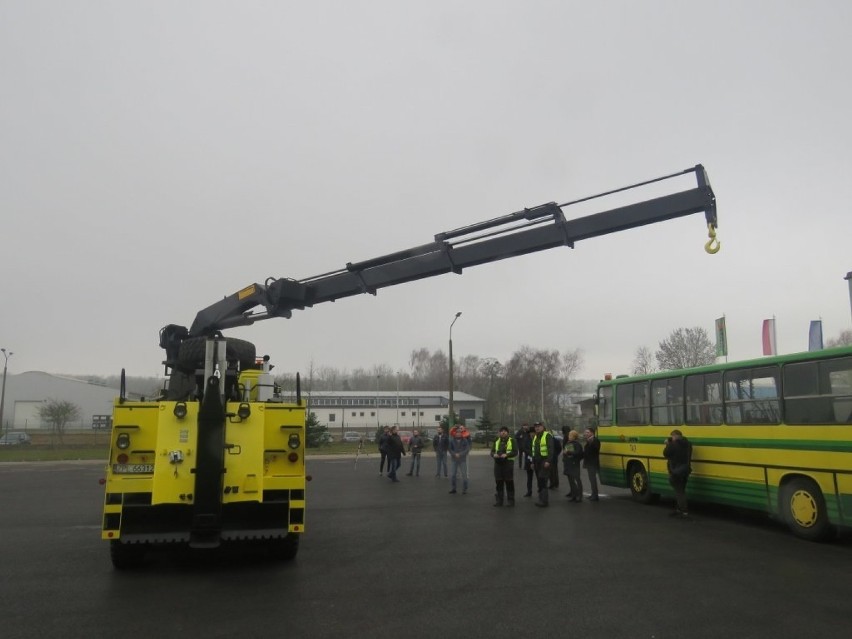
[848,278]
[451,417]
[6,357]
[378,425]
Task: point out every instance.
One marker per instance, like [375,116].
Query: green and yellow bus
[771,434]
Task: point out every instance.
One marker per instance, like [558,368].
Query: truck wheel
[640,486]
[284,549]
[126,556]
[803,508]
[193,350]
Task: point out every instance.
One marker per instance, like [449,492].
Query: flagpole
[774,335]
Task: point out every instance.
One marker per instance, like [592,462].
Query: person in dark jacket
[440,443]
[591,460]
[503,451]
[383,450]
[678,454]
[572,455]
[459,450]
[553,483]
[415,447]
[525,452]
[396,449]
[522,439]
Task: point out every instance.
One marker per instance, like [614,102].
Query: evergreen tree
[316,434]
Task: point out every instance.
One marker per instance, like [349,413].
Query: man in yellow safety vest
[542,453]
[504,452]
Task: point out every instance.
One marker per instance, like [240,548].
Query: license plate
[132,469]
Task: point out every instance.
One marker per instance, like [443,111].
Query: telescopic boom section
[526,231]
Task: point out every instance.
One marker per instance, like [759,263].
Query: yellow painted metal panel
[174,482]
[244,456]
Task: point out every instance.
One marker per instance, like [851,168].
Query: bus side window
[752,395]
[704,399]
[818,392]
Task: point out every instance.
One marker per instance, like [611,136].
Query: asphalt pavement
[382,559]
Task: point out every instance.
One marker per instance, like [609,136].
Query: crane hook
[713,245]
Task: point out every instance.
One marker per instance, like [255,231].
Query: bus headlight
[123,441]
[294,442]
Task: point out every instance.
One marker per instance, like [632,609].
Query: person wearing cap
[504,452]
[542,453]
[459,449]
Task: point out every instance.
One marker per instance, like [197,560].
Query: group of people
[392,450]
[538,453]
[455,446]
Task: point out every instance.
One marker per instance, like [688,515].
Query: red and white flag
[769,337]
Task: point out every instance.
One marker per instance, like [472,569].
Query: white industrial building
[27,392]
[365,411]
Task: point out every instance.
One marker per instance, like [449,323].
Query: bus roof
[827,353]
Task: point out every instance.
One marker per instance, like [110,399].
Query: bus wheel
[126,556]
[284,549]
[804,511]
[640,487]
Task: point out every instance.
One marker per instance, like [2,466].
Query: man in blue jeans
[459,450]
[440,444]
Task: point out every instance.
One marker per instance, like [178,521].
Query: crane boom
[526,231]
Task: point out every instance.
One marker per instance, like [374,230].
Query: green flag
[721,338]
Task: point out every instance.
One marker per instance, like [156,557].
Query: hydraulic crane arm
[526,231]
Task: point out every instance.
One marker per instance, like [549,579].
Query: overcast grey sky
[157,156]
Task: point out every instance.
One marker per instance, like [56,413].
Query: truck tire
[284,549]
[193,350]
[126,556]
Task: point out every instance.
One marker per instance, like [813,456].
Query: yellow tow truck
[219,456]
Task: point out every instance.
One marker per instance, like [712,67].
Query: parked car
[15,439]
[351,436]
[405,435]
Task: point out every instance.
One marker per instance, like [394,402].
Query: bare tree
[684,348]
[58,413]
[496,401]
[643,361]
[534,378]
[571,364]
[429,370]
[844,339]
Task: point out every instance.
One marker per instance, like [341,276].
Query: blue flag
[815,336]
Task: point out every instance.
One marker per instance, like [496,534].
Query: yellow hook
[713,245]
